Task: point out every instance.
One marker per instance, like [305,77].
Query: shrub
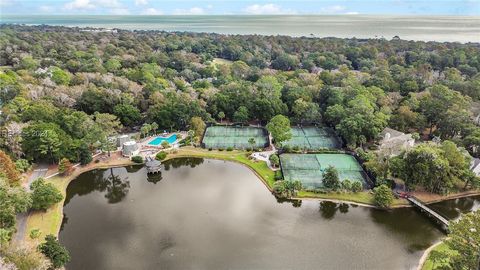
[22,165]
[287,148]
[278,175]
[44,195]
[165,144]
[346,185]
[356,186]
[383,196]
[34,234]
[274,160]
[161,155]
[220,149]
[229,148]
[65,167]
[210,149]
[54,251]
[137,159]
[248,149]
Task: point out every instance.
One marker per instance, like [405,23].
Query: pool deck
[149,150]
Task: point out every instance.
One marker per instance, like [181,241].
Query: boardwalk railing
[424,208]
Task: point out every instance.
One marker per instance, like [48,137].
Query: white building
[130,149]
[122,139]
[394,142]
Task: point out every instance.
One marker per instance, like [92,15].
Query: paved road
[22,217]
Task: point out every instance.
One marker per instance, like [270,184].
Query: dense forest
[65,91]
[81,85]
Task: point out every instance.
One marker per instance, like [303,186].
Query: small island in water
[146,142]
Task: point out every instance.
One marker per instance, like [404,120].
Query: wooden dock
[424,208]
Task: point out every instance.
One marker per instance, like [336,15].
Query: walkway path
[427,209]
[22,217]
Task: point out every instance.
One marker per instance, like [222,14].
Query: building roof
[393,133]
[475,163]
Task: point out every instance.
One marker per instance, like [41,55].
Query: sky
[240,7]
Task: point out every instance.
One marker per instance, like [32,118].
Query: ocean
[426,28]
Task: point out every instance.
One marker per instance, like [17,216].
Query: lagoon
[210,214]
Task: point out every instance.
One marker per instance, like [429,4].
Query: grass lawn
[363,197]
[429,263]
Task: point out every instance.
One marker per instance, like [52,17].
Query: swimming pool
[158,140]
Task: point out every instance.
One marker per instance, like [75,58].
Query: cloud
[79,4]
[333,9]
[120,11]
[46,9]
[257,9]
[152,11]
[141,2]
[111,6]
[352,13]
[190,11]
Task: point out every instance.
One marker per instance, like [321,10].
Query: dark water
[427,28]
[206,214]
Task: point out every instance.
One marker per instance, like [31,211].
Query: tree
[44,194]
[84,154]
[330,178]
[198,126]
[13,200]
[128,114]
[8,168]
[60,76]
[154,127]
[274,160]
[145,129]
[54,251]
[221,115]
[279,127]
[383,196]
[22,165]
[357,186]
[65,167]
[252,142]
[464,242]
[241,115]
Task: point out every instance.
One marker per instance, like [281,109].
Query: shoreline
[426,254]
[62,182]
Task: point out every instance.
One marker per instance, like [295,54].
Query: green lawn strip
[364,197]
[49,222]
[429,263]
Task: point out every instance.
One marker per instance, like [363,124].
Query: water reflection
[113,182]
[179,162]
[208,214]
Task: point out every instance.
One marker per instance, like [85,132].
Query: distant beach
[425,28]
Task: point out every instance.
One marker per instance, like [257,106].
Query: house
[393,142]
[475,166]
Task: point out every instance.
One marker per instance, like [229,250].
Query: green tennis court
[236,137]
[308,168]
[313,138]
